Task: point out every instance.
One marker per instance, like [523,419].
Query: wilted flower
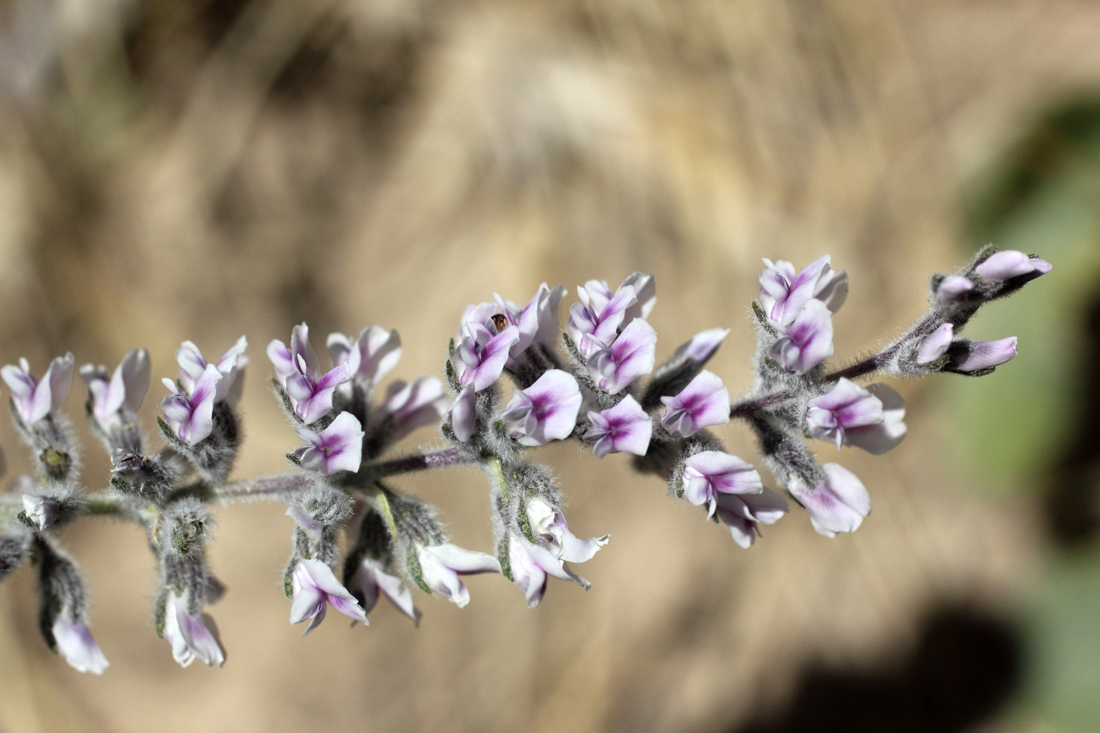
[548,524]
[315,587]
[870,418]
[531,565]
[189,635]
[701,404]
[545,411]
[191,414]
[35,400]
[624,428]
[410,406]
[440,566]
[339,447]
[371,579]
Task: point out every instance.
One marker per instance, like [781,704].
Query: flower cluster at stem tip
[596,383]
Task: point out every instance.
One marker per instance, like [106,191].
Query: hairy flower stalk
[605,391]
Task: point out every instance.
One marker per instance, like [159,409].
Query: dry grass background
[198,170]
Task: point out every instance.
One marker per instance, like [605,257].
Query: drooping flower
[743,513]
[783,293]
[410,406]
[189,635]
[807,341]
[339,447]
[935,344]
[314,589]
[231,366]
[545,411]
[125,389]
[440,566]
[35,400]
[630,356]
[984,355]
[710,473]
[1010,263]
[532,565]
[75,643]
[701,404]
[548,524]
[371,580]
[373,354]
[299,371]
[624,428]
[838,503]
[191,414]
[871,419]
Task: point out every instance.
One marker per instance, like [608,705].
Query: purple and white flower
[783,293]
[339,447]
[548,524]
[710,473]
[1002,266]
[442,564]
[532,565]
[314,589]
[410,406]
[743,513]
[75,643]
[598,318]
[189,635]
[481,354]
[231,366]
[836,504]
[984,355]
[871,419]
[462,414]
[545,411]
[190,414]
[807,341]
[125,389]
[299,371]
[35,400]
[630,356]
[373,354]
[935,344]
[537,322]
[701,404]
[624,428]
[371,580]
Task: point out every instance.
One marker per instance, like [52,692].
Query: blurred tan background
[197,170]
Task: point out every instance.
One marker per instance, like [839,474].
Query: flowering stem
[418,462]
[270,487]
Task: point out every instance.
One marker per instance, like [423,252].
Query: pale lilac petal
[376,353]
[191,364]
[645,292]
[75,643]
[531,564]
[134,373]
[461,560]
[702,345]
[548,523]
[414,405]
[281,359]
[986,354]
[629,357]
[886,435]
[549,409]
[305,520]
[371,577]
[953,288]
[314,585]
[837,504]
[1008,264]
[832,288]
[743,512]
[808,341]
[703,403]
[60,378]
[302,350]
[935,344]
[463,413]
[549,328]
[189,635]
